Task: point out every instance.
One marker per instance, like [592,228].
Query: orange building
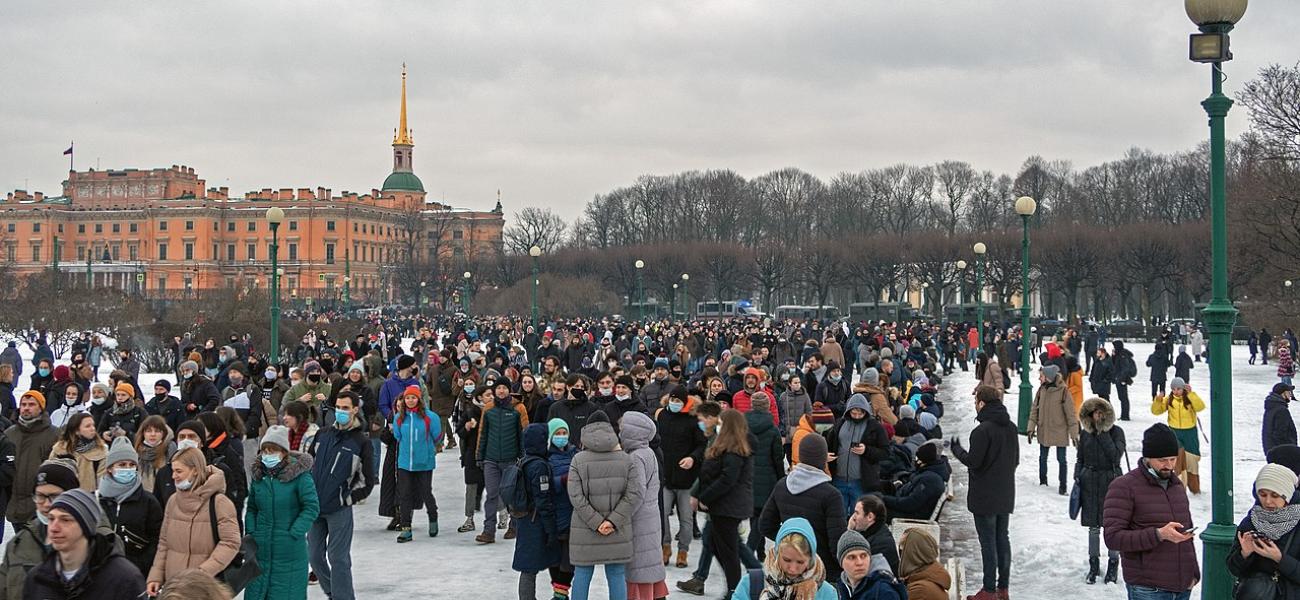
[162,233]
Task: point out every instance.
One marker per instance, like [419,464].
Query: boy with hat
[85,563]
[864,575]
[29,548]
[500,443]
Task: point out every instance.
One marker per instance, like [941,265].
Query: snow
[1049,550]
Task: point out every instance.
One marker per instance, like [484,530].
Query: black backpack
[514,486]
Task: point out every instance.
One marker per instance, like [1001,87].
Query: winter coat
[106,575]
[1159,363]
[90,464]
[647,563]
[342,468]
[1101,376]
[602,487]
[575,413]
[1125,368]
[879,402]
[877,447]
[743,402]
[1101,449]
[805,428]
[128,420]
[882,542]
[1180,415]
[826,591]
[32,445]
[538,545]
[833,395]
[200,392]
[227,455]
[469,442]
[389,392]
[1136,506]
[1288,571]
[137,521]
[615,409]
[417,444]
[991,461]
[169,408]
[8,454]
[560,459]
[185,541]
[930,583]
[807,493]
[1053,418]
[23,552]
[652,393]
[680,437]
[917,498]
[501,435]
[1183,366]
[726,486]
[768,455]
[1279,428]
[992,377]
[1285,363]
[282,505]
[794,405]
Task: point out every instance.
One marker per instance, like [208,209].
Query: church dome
[402,181]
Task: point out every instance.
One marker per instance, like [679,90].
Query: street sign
[139,277]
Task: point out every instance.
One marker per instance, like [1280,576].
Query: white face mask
[184,485]
[183,444]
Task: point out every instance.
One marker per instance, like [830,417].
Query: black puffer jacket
[727,484]
[137,521]
[680,437]
[769,455]
[1279,428]
[1101,450]
[992,460]
[109,576]
[803,494]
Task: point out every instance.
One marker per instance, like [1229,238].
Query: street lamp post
[535,252]
[980,249]
[1025,207]
[640,291]
[419,298]
[961,286]
[275,216]
[672,304]
[1215,19]
[686,295]
[465,296]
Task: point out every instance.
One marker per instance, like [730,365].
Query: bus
[791,311]
[727,309]
[879,311]
[969,313]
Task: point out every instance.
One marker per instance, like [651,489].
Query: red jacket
[742,402]
[1135,507]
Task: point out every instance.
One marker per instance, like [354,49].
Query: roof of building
[402,181]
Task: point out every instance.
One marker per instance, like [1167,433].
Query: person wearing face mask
[500,442]
[343,476]
[313,390]
[72,405]
[467,429]
[198,393]
[42,378]
[833,392]
[858,442]
[189,435]
[80,442]
[123,417]
[682,444]
[165,405]
[559,455]
[154,445]
[574,408]
[282,505]
[133,511]
[240,383]
[625,401]
[659,386]
[186,540]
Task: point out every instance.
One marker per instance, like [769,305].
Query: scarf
[781,587]
[123,408]
[84,445]
[1275,523]
[295,436]
[110,488]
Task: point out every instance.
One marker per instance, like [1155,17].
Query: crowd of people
[787,452]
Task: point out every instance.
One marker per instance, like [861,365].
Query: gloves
[1029,437]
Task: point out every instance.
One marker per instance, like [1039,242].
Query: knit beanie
[99,386]
[311,367]
[626,380]
[60,472]
[405,361]
[871,376]
[886,353]
[927,420]
[121,450]
[850,541]
[277,435]
[412,390]
[125,387]
[1050,372]
[358,366]
[928,453]
[812,451]
[1277,479]
[822,415]
[164,384]
[906,412]
[197,427]
[759,402]
[83,507]
[1177,383]
[35,395]
[1159,441]
[554,425]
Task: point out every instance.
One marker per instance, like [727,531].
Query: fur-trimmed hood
[298,463]
[1107,415]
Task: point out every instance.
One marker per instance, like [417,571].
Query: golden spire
[403,136]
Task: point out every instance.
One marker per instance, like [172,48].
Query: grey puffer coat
[647,563]
[602,487]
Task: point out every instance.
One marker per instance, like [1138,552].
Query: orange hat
[196,357]
[412,390]
[39,397]
[125,387]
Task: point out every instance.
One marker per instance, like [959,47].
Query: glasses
[40,498]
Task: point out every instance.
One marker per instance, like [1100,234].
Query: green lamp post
[275,216]
[535,252]
[1215,18]
[672,304]
[980,249]
[1025,207]
[640,290]
[686,296]
[465,296]
[419,298]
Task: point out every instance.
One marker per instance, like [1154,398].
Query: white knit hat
[1277,479]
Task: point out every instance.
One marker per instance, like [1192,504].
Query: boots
[404,536]
[1112,571]
[1004,594]
[681,559]
[1194,483]
[983,595]
[692,586]
[467,527]
[510,533]
[668,553]
[433,529]
[1193,479]
[392,525]
[486,537]
[1094,570]
[1061,489]
[1042,480]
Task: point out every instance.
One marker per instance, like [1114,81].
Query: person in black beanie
[806,491]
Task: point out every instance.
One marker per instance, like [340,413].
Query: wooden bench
[900,526]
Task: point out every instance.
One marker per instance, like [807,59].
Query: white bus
[727,309]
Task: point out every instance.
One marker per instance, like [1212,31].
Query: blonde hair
[804,590]
[194,585]
[194,459]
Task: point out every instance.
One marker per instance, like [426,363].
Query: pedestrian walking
[991,462]
[1101,448]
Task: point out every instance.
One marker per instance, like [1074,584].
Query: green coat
[280,511]
[306,387]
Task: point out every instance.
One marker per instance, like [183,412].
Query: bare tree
[1273,99]
[533,226]
[773,271]
[956,182]
[820,270]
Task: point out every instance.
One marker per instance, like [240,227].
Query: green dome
[403,181]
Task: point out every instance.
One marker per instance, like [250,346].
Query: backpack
[756,583]
[515,492]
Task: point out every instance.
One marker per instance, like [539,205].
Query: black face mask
[314,378]
[578,393]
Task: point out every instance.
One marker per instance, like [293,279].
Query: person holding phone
[1265,545]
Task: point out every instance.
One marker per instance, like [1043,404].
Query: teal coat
[280,511]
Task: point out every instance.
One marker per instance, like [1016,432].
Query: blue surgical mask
[270,374]
[704,427]
[44,519]
[124,476]
[469,388]
[184,485]
[560,441]
[342,416]
[271,460]
[43,371]
[674,406]
[835,378]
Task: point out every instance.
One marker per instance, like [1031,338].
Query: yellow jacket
[1180,417]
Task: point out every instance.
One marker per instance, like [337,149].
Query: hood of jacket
[858,401]
[298,463]
[803,478]
[1275,401]
[759,422]
[800,526]
[599,437]
[1107,421]
[996,413]
[536,440]
[933,573]
[636,430]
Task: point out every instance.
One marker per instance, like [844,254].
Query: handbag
[1076,503]
[243,569]
[1262,586]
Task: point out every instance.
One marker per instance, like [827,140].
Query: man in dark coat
[1146,518]
[917,498]
[807,492]
[1279,428]
[98,566]
[198,393]
[1101,372]
[991,462]
[1183,364]
[1124,369]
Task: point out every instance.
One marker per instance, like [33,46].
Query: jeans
[995,550]
[492,488]
[850,491]
[1042,463]
[330,546]
[1094,545]
[1142,592]
[685,518]
[615,575]
[414,488]
[1286,380]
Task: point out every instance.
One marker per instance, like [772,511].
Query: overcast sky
[553,102]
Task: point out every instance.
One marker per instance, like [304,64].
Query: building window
[329,225]
[60,227]
[11,253]
[117,228]
[36,227]
[252,225]
[133,251]
[11,228]
[162,283]
[293,251]
[133,227]
[189,283]
[230,252]
[36,252]
[354,228]
[99,228]
[329,254]
[116,252]
[189,226]
[293,226]
[457,234]
[81,228]
[162,251]
[189,251]
[230,226]
[162,225]
[81,252]
[252,252]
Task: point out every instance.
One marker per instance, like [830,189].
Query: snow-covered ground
[1050,550]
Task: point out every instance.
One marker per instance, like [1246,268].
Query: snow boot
[1112,571]
[1061,489]
[467,527]
[392,525]
[1094,570]
[503,519]
[668,554]
[510,533]
[433,529]
[404,536]
[983,595]
[681,559]
[1042,480]
[311,578]
[692,586]
[1004,594]
[485,538]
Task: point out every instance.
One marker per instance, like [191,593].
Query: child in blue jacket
[417,431]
